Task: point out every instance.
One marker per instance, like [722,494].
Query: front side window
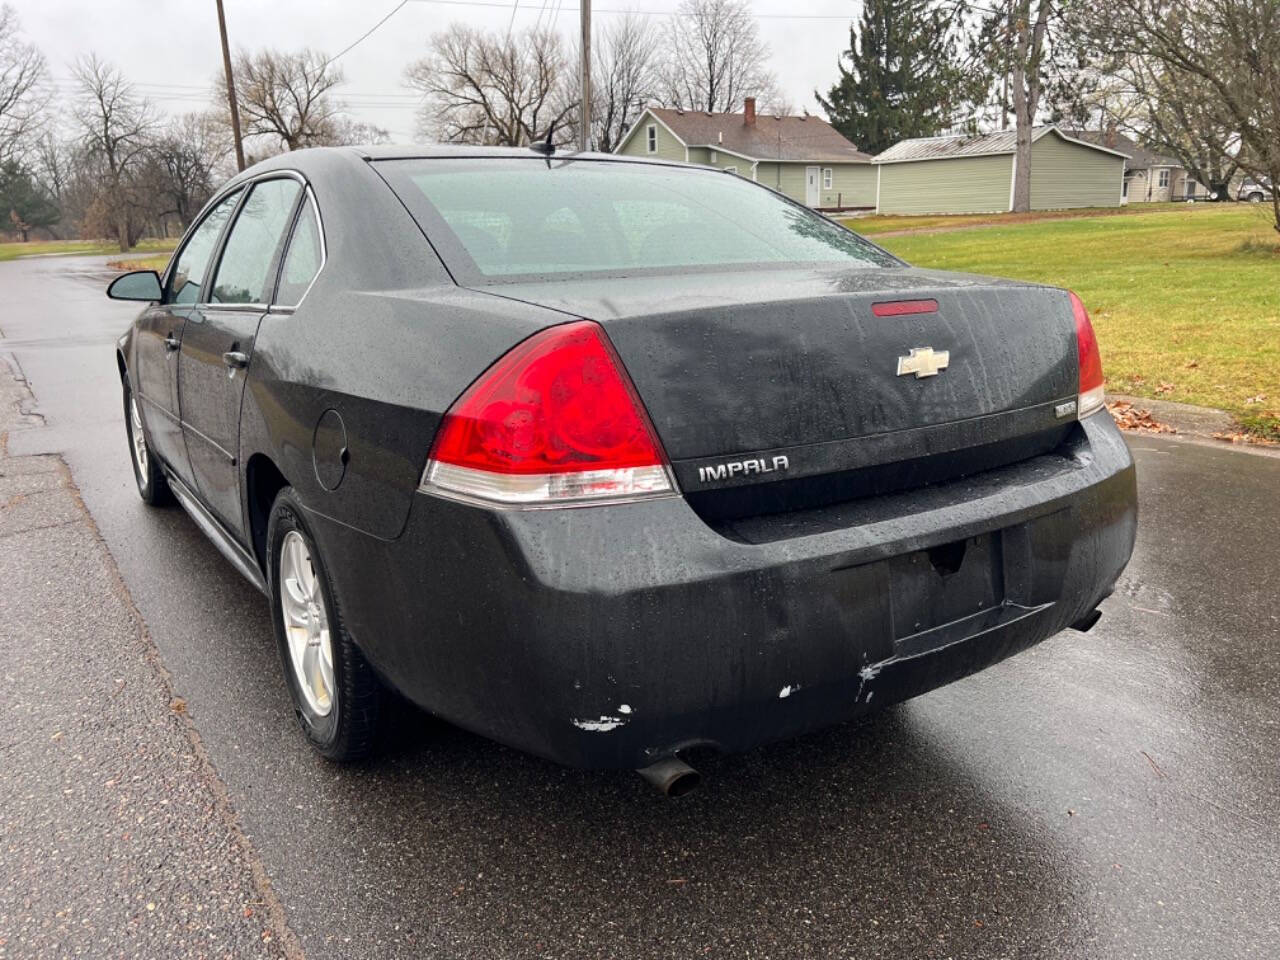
[303,258]
[245,271]
[524,218]
[652,133]
[190,265]
[826,178]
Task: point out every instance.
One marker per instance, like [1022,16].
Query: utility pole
[231,88]
[584,133]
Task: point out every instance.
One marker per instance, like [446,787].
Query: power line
[643,13]
[367,34]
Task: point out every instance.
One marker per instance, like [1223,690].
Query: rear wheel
[1255,197]
[152,487]
[336,696]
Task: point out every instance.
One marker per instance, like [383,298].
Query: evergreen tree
[24,205]
[905,75]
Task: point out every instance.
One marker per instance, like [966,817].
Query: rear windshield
[509,218]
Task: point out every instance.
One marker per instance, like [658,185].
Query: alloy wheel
[138,438]
[306,624]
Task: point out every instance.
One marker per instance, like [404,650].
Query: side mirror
[139,285]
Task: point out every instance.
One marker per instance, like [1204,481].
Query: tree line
[1193,78]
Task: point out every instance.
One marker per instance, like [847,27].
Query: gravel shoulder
[116,836]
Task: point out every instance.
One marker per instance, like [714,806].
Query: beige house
[1149,177]
[975,174]
[802,157]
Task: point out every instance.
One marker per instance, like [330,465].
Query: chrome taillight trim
[1090,402]
[547,490]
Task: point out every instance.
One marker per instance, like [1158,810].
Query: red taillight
[554,420]
[1091,391]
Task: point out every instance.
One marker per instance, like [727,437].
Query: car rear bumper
[612,636]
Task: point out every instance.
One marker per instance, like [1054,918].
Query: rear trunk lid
[783,388]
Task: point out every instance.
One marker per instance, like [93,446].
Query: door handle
[235,359]
[171,343]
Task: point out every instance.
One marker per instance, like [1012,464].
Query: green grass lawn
[1185,299]
[11,251]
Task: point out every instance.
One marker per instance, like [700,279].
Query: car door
[159,336]
[217,343]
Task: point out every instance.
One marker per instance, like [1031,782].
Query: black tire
[152,486]
[347,732]
[1255,198]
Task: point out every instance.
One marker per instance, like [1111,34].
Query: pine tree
[24,205]
[905,75]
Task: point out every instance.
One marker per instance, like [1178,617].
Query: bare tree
[346,131]
[286,99]
[717,58]
[1029,23]
[625,77]
[1225,53]
[51,161]
[489,88]
[115,127]
[183,166]
[1181,116]
[23,93]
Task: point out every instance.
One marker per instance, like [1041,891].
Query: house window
[826,178]
[652,133]
[730,169]
[1164,178]
[713,156]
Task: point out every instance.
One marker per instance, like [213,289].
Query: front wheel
[152,487]
[1255,198]
[336,696]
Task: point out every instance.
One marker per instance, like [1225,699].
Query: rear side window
[245,271]
[529,218]
[303,258]
[189,269]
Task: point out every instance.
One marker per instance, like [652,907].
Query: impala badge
[924,362]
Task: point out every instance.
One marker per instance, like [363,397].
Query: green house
[802,157]
[975,174]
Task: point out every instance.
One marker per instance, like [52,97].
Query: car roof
[447,150]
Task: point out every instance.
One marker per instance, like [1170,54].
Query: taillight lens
[555,421]
[1090,399]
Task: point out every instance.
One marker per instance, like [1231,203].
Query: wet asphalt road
[1113,794]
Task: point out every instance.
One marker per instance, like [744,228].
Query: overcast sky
[169,48]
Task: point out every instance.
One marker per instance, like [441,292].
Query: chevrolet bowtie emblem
[924,362]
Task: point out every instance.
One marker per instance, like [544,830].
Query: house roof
[1140,157]
[796,139]
[981,145]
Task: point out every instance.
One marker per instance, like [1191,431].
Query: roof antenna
[545,147]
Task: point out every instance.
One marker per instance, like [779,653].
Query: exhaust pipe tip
[672,776]
[1086,623]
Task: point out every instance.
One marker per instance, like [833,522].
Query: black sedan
[609,459]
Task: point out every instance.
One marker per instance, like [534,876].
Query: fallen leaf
[178,705]
[1260,398]
[1165,388]
[1129,417]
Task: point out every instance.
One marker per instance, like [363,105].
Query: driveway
[1106,794]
